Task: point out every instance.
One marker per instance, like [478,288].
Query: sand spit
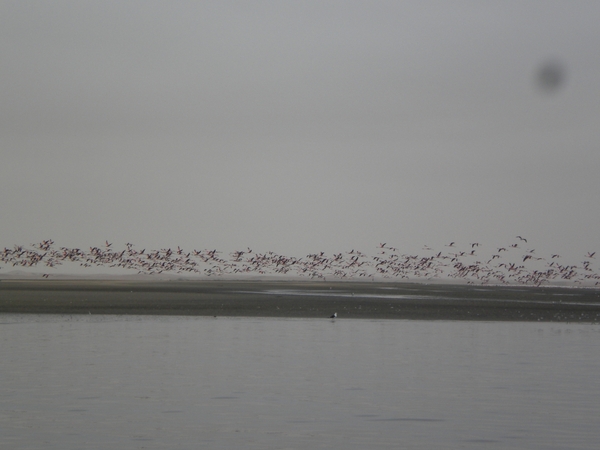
[351,300]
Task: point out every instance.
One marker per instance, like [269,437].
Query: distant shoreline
[307,299]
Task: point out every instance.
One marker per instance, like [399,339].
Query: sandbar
[301,299]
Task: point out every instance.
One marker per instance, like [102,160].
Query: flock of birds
[513,264]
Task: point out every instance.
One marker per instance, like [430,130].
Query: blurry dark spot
[550,76]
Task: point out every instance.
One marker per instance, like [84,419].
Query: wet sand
[351,300]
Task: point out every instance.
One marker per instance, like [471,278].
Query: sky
[300,126]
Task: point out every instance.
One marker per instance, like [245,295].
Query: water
[71,382]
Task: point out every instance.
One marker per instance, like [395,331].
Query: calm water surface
[222,383]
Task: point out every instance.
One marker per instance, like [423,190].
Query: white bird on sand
[333,316]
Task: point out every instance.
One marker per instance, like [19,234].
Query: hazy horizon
[300,127]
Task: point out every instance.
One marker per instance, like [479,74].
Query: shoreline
[301,299]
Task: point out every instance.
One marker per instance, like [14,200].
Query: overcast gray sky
[300,126]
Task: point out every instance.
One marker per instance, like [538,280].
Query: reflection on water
[222,383]
[526,300]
